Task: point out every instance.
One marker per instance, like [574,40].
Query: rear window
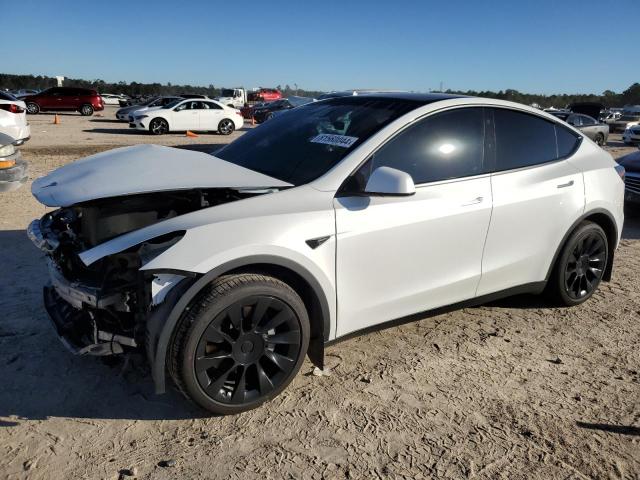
[524,140]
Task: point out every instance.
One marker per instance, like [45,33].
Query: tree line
[630,96]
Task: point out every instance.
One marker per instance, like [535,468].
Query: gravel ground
[511,390]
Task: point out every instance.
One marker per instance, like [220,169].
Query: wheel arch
[605,220]
[295,275]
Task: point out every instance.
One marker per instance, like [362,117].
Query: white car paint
[171,169]
[182,117]
[385,257]
[111,99]
[14,123]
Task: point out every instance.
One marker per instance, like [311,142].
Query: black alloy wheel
[581,265]
[240,344]
[247,350]
[600,139]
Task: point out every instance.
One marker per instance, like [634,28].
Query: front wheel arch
[295,275]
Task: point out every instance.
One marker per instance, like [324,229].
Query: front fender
[180,298]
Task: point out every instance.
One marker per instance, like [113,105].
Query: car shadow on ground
[116,131]
[42,379]
[605,427]
[106,120]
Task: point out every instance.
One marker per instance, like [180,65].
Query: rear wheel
[226,127]
[158,126]
[240,344]
[581,264]
[86,110]
[33,108]
[600,139]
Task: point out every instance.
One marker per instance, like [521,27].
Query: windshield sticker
[336,140]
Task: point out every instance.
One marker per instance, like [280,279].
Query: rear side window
[567,141]
[524,140]
[441,147]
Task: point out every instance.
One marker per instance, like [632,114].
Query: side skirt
[534,288]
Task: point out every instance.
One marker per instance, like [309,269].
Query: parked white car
[111,99]
[188,114]
[631,135]
[340,215]
[13,118]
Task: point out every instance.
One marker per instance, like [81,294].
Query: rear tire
[86,110]
[600,139]
[226,127]
[240,344]
[33,108]
[580,266]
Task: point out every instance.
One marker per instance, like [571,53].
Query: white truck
[233,97]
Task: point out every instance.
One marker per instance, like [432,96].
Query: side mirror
[389,181]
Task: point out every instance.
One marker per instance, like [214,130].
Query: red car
[80,100]
[265,95]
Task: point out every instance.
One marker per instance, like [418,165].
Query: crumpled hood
[143,169]
[631,162]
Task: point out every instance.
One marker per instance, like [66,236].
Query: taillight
[621,171]
[11,107]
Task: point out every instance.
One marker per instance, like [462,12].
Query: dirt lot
[509,390]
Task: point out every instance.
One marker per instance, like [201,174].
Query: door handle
[564,185]
[475,201]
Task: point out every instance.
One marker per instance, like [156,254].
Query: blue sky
[535,46]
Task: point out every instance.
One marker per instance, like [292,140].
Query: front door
[186,116]
[397,256]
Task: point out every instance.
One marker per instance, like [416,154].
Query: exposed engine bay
[102,308]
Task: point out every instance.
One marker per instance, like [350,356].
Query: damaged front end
[103,308]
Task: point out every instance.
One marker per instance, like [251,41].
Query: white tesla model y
[333,217]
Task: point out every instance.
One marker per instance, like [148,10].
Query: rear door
[398,256]
[589,126]
[537,196]
[210,116]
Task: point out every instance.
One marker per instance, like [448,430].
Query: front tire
[86,110]
[33,108]
[226,127]
[158,126]
[579,269]
[240,344]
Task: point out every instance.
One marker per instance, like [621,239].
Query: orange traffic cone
[190,134]
[56,120]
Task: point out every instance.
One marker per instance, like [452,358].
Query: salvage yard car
[13,119]
[598,132]
[194,115]
[13,168]
[81,100]
[338,216]
[631,164]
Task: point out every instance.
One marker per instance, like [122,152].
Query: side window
[443,146]
[182,107]
[586,120]
[567,141]
[523,140]
[212,106]
[574,120]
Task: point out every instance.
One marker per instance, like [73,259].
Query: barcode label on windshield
[336,140]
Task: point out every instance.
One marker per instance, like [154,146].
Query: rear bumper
[21,133]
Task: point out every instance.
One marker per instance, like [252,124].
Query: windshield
[307,142]
[150,101]
[297,101]
[227,92]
